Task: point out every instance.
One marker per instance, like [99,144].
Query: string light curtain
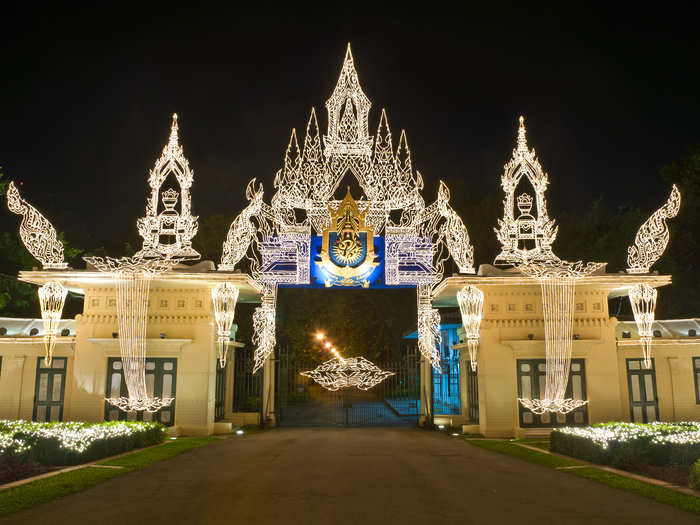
[643,299]
[224,297]
[471,306]
[558,284]
[52,297]
[132,277]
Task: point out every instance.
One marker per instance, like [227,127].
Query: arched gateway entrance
[384,238]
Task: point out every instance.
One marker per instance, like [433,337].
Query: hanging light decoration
[52,297]
[643,299]
[471,305]
[132,276]
[264,327]
[350,372]
[558,283]
[224,296]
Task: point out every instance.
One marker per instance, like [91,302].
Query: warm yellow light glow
[320,336]
[327,344]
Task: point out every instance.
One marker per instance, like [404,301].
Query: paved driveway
[349,476]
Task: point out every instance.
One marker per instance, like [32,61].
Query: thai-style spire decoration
[305,203]
[525,237]
[167,230]
[349,372]
[652,237]
[37,233]
[52,297]
[348,109]
[471,306]
[643,300]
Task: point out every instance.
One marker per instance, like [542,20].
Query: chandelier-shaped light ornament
[170,232]
[37,233]
[52,297]
[471,306]
[558,283]
[351,372]
[653,236]
[643,300]
[132,277]
[224,296]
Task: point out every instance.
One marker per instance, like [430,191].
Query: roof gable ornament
[525,238]
[169,232]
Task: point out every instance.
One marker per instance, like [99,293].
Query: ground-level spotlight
[239,432]
[455,434]
[441,427]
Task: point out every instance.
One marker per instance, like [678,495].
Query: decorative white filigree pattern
[224,296]
[169,233]
[242,231]
[558,284]
[652,237]
[429,337]
[351,372]
[132,276]
[525,238]
[264,327]
[471,306]
[37,233]
[643,300]
[52,297]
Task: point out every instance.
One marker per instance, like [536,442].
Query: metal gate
[299,401]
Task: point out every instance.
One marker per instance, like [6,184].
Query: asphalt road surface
[351,476]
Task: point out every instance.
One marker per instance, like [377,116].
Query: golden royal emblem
[347,252]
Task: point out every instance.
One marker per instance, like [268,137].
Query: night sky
[609,98]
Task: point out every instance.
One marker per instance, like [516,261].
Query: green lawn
[47,489]
[655,492]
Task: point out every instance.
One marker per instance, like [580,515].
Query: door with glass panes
[532,376]
[49,389]
[161,374]
[644,403]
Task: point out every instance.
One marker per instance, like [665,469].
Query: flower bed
[72,443]
[664,450]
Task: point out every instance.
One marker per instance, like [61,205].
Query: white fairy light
[242,230]
[525,238]
[224,296]
[471,306]
[52,297]
[351,372]
[169,233]
[264,327]
[558,284]
[132,276]
[429,337]
[652,237]
[643,300]
[37,233]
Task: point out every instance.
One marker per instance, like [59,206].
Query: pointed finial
[291,156]
[522,141]
[173,141]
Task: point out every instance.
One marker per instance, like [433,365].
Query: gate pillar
[426,394]
[267,399]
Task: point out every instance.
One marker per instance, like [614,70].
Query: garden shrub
[624,445]
[74,443]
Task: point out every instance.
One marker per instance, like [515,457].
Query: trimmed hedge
[74,443]
[695,475]
[623,445]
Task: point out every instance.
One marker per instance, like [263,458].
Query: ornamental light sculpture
[224,296]
[37,233]
[471,306]
[350,372]
[643,299]
[653,236]
[132,277]
[558,283]
[52,297]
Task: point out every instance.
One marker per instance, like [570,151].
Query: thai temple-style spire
[348,110]
[522,140]
[383,148]
[173,140]
[403,156]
